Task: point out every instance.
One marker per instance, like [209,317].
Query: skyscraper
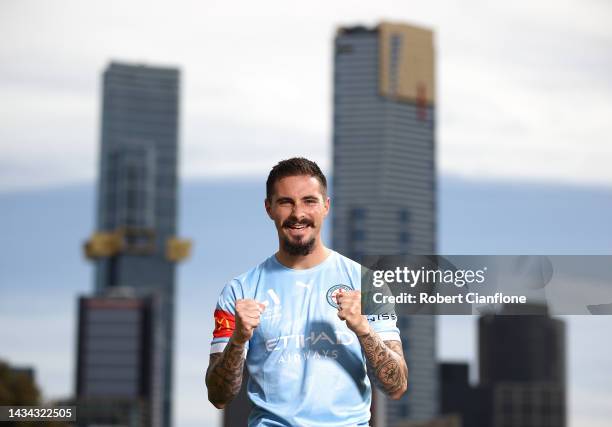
[522,364]
[135,245]
[384,184]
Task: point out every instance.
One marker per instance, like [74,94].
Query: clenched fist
[248,312]
[349,310]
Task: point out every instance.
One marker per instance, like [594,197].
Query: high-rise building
[135,244]
[384,180]
[522,373]
[470,403]
[115,360]
[522,364]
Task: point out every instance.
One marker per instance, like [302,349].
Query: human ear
[268,207]
[327,204]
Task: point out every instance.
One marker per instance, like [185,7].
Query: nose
[298,211]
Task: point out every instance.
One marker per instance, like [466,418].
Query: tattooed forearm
[224,374]
[386,364]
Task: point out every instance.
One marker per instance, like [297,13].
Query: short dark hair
[294,167]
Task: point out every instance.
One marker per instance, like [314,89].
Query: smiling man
[296,320]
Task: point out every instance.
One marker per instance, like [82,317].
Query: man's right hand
[248,313]
[225,369]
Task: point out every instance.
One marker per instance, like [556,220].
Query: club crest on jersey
[333,292]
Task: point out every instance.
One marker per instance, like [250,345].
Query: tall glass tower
[384,184]
[135,245]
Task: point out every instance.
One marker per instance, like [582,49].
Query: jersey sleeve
[225,320]
[383,320]
[385,326]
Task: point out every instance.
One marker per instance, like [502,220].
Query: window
[358,235]
[396,44]
[344,48]
[358,213]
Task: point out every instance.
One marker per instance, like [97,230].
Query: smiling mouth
[298,226]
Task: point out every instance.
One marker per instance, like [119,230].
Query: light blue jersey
[306,366]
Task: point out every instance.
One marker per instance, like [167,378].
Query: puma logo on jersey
[303,285]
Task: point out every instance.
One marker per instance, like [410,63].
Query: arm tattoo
[224,374]
[385,362]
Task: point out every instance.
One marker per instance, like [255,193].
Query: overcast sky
[524,93]
[524,88]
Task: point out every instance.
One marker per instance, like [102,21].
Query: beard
[298,248]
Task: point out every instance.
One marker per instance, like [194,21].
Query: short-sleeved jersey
[306,366]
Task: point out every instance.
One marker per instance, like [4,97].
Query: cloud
[523,88]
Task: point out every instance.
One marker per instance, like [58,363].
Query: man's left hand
[349,310]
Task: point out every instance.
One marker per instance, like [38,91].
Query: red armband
[225,324]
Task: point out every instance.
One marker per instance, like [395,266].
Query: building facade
[472,404]
[384,180]
[135,244]
[115,360]
[522,365]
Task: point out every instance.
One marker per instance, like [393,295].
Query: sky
[524,99]
[523,87]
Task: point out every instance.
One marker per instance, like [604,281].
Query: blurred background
[519,138]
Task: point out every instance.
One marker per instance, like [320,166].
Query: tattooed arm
[224,374]
[384,359]
[386,364]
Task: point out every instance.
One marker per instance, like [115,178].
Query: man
[297,320]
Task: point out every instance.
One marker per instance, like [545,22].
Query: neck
[302,262]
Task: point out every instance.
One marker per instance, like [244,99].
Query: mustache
[290,223]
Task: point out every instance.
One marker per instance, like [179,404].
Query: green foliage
[16,387]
